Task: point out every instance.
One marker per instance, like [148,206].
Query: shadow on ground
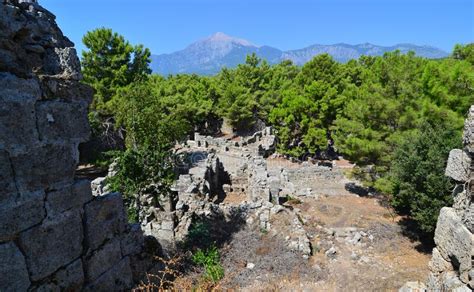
[411,230]
[213,230]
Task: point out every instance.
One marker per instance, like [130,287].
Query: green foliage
[132,214]
[417,179]
[309,107]
[397,92]
[111,63]
[152,129]
[199,235]
[240,91]
[210,260]
[465,52]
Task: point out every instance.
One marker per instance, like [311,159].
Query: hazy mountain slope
[345,52]
[209,55]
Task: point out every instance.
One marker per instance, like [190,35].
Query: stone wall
[452,266]
[54,234]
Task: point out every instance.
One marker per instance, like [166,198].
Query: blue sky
[165,26]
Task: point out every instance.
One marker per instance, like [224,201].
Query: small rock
[293,245]
[413,287]
[364,259]
[329,231]
[276,209]
[249,220]
[317,267]
[357,237]
[331,253]
[250,266]
[354,256]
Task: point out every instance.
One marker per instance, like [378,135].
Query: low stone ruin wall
[54,234]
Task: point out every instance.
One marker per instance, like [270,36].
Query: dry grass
[165,278]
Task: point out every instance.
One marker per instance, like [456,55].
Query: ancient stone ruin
[216,169]
[452,264]
[54,234]
[59,233]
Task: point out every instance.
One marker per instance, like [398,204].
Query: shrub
[210,260]
[419,187]
[198,236]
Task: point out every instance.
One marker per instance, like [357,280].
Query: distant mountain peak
[220,37]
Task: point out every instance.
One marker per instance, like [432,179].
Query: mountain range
[209,55]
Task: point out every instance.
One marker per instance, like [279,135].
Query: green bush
[199,235]
[210,260]
[417,181]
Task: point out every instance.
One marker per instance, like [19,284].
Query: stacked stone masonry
[54,234]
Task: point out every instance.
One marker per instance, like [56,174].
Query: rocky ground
[357,245]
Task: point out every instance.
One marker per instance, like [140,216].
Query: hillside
[209,55]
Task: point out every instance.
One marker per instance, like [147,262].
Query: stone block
[21,213]
[468,217]
[60,120]
[13,272]
[53,244]
[468,137]
[105,218]
[438,264]
[7,180]
[103,259]
[70,278]
[69,197]
[462,199]
[119,278]
[454,241]
[133,240]
[54,87]
[458,165]
[17,113]
[45,167]
[433,282]
[413,287]
[451,282]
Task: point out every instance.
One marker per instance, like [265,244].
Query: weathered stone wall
[54,234]
[453,258]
